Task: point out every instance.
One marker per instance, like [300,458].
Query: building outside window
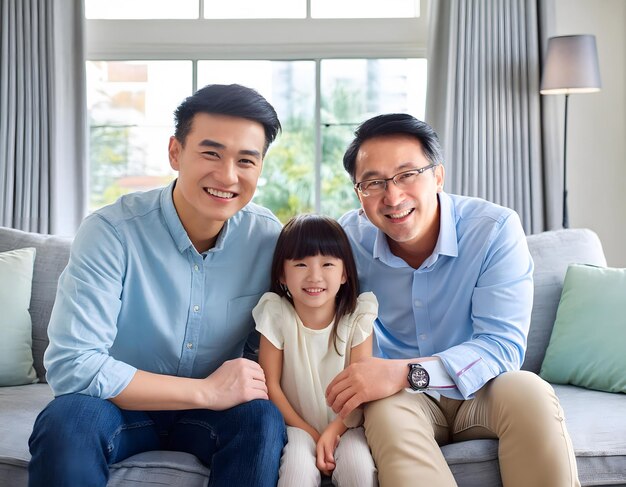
[324,75]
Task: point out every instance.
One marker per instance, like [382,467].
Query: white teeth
[219,194]
[401,214]
[314,290]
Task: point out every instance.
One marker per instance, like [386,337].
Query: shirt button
[195,267]
[417,303]
[196,308]
[189,345]
[422,336]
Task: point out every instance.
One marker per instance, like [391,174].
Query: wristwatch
[418,377]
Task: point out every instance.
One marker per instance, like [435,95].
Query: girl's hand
[313,432]
[326,446]
[326,453]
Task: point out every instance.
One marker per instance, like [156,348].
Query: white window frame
[260,39]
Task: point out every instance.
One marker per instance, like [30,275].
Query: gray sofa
[596,420]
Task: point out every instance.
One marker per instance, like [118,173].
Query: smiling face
[313,283]
[218,169]
[410,216]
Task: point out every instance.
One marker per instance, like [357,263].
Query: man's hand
[233,383]
[364,381]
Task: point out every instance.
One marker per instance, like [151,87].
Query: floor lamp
[571,66]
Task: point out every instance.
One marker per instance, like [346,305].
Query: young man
[154,307]
[453,277]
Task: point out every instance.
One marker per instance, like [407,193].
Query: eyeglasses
[403,180]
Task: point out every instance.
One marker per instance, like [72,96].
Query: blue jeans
[77,437]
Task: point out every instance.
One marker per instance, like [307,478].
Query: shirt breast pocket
[239,321]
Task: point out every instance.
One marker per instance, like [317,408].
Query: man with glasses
[453,276]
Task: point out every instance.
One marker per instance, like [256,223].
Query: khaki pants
[405,431]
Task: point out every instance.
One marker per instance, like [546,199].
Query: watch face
[418,378]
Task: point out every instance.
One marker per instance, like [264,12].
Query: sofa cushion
[552,253]
[596,422]
[52,256]
[16,356]
[171,468]
[20,407]
[587,346]
[474,463]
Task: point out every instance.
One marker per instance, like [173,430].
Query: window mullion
[318,136]
[194,75]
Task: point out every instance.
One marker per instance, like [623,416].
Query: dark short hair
[393,124]
[308,235]
[233,100]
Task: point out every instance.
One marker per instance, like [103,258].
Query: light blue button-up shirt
[137,295]
[469,303]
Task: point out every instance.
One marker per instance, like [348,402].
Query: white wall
[596,152]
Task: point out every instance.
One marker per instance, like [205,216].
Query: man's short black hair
[233,100]
[393,124]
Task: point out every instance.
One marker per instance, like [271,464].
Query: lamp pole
[565,215]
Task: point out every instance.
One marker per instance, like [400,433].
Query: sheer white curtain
[483,101]
[43,176]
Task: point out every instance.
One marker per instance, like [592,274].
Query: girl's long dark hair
[309,235]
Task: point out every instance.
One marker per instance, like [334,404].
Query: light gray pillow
[16,356]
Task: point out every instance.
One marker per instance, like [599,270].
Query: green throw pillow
[588,343]
[16,356]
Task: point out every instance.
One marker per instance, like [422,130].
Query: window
[249,9]
[130,107]
[323,76]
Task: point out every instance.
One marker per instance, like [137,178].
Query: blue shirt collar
[175,226]
[446,242]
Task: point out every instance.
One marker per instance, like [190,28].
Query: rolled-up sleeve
[83,324]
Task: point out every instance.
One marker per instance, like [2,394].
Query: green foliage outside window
[287,183]
[109,148]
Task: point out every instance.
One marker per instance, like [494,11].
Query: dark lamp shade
[571,66]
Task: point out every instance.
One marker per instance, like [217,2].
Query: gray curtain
[43,178]
[483,100]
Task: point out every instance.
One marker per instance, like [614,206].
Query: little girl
[313,324]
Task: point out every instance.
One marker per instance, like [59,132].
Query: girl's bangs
[313,238]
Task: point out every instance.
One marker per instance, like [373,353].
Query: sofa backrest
[552,253]
[52,256]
